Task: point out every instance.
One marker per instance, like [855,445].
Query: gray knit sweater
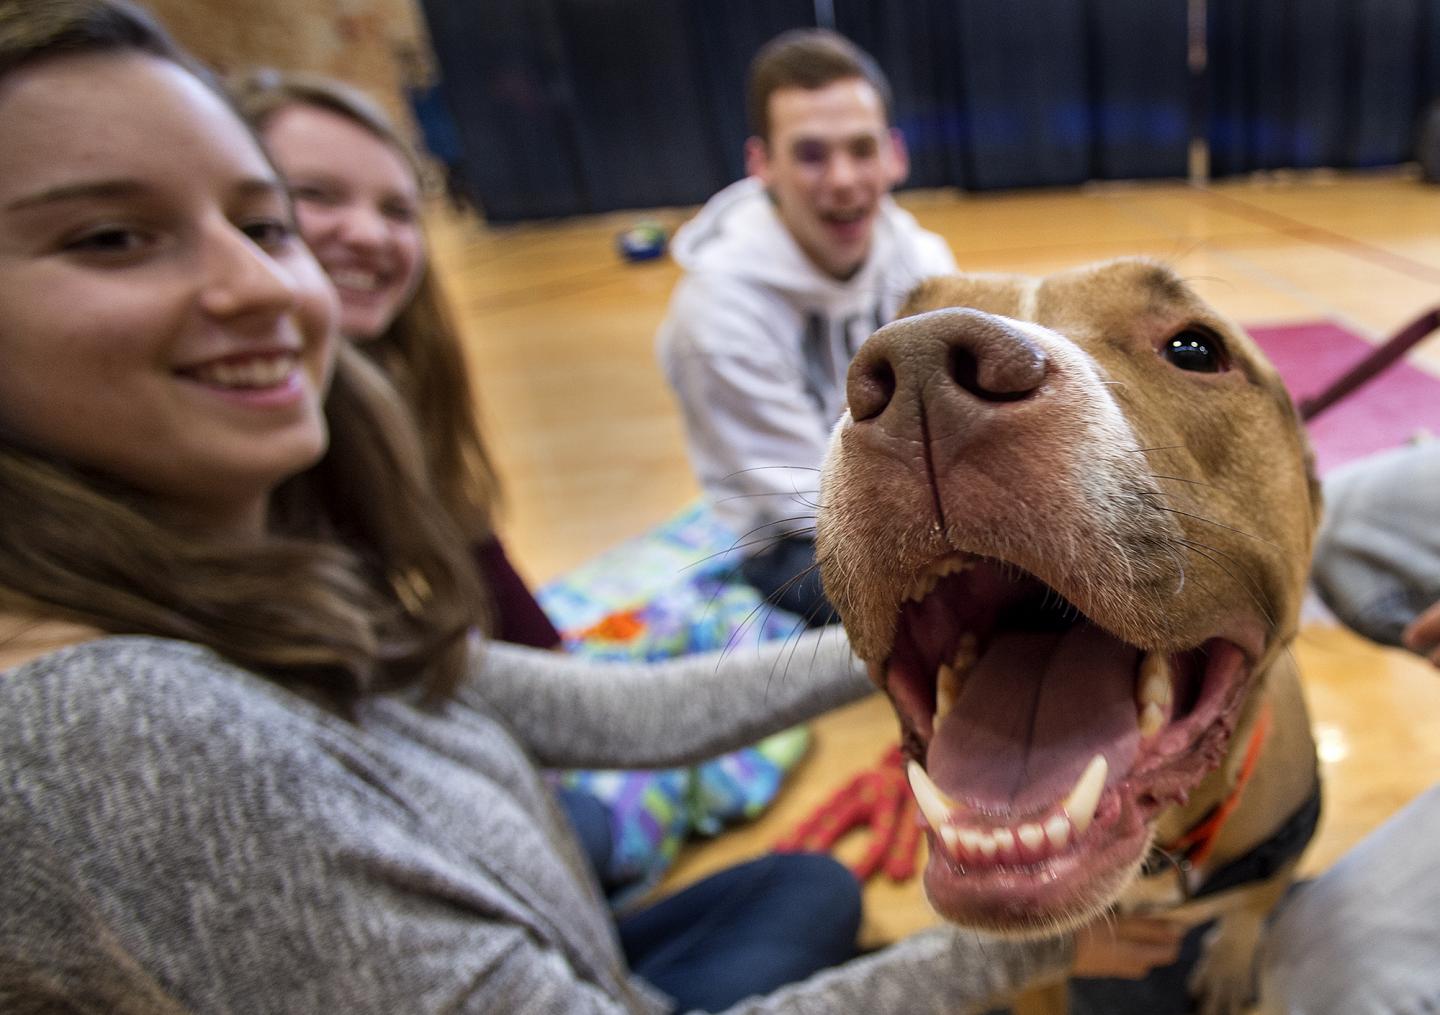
[178,833]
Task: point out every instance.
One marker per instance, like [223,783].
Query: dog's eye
[1195,350]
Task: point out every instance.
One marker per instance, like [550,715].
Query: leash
[1379,358]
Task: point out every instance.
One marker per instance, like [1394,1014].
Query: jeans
[591,821]
[747,930]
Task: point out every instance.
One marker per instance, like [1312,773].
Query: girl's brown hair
[362,583]
[420,350]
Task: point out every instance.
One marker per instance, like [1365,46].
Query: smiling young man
[787,272]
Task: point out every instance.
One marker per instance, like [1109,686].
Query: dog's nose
[961,355]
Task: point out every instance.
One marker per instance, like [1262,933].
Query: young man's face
[829,160]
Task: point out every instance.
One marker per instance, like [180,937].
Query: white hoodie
[757,342]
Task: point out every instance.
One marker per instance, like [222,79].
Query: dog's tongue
[1033,711]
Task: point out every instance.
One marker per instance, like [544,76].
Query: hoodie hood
[738,233]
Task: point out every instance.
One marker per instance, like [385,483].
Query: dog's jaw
[964,576]
[1039,815]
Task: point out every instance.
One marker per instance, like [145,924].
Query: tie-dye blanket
[672,591]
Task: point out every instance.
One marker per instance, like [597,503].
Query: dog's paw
[1223,980]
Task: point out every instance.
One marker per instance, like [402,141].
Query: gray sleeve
[1377,555]
[575,713]
[942,971]
[223,861]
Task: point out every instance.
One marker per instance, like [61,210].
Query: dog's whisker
[1246,583]
[794,580]
[721,554]
[750,618]
[1212,279]
[801,623]
[786,521]
[767,493]
[1210,521]
[728,577]
[1241,565]
[743,542]
[1216,558]
[772,468]
[769,605]
[804,498]
[1182,479]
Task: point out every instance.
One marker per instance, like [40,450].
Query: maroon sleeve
[519,618]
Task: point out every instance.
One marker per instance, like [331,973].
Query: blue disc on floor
[643,241]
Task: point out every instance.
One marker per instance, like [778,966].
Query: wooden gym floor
[560,334]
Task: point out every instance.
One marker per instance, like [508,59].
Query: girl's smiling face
[358,205]
[161,322]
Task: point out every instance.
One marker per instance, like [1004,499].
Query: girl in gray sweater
[251,758]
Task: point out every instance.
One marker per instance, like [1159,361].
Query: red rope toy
[878,799]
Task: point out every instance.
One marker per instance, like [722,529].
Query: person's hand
[1423,634]
[1126,947]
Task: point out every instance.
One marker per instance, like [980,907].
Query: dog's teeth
[1155,680]
[964,653]
[947,687]
[947,677]
[1032,836]
[938,808]
[1057,830]
[1085,797]
[1002,844]
[924,585]
[954,565]
[1156,694]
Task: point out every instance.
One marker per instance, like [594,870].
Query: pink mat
[1381,414]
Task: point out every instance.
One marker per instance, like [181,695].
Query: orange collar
[1197,844]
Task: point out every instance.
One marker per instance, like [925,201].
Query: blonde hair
[420,350]
[363,582]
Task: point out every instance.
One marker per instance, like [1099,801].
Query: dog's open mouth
[1040,745]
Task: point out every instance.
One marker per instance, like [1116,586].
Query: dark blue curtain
[1023,93]
[1309,83]
[566,107]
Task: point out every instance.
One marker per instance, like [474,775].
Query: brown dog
[1067,522]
